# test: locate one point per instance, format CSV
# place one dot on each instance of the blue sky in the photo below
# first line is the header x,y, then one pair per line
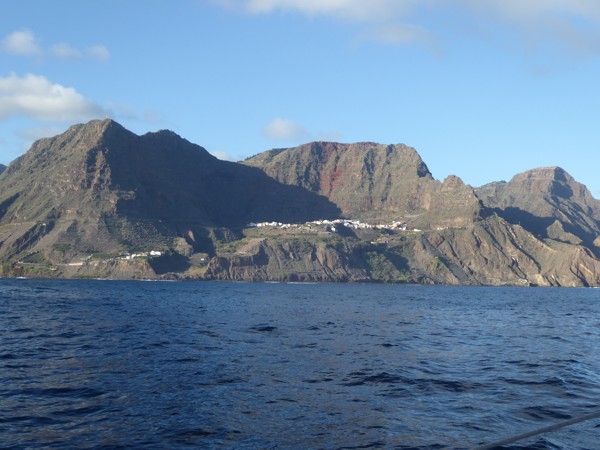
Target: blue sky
x,y
482,89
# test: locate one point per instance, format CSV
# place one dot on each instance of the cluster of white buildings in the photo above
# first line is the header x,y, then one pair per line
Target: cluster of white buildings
x,y
358,225
331,224
129,256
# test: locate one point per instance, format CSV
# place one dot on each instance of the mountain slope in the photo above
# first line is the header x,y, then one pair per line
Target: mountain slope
x,y
373,181
549,203
100,188
489,252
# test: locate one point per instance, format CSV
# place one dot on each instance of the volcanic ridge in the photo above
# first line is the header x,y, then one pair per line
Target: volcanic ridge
x,y
100,201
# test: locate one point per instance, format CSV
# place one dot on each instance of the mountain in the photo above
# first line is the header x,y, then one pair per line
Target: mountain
x,y
541,228
373,181
101,169
549,203
100,201
98,188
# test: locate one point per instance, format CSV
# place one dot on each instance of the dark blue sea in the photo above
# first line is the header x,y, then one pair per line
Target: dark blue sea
x,y
125,364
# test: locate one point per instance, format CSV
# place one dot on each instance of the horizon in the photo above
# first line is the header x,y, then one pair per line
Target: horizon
x,y
483,92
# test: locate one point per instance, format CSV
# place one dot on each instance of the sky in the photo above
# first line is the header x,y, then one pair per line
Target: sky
x,y
481,89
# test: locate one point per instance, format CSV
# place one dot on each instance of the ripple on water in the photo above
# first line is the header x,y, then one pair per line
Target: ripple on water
x,y
221,365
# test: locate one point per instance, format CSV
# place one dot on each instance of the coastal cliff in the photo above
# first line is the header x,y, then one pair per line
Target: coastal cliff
x,y
99,201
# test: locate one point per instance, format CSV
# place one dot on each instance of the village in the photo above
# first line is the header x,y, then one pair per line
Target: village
x,y
130,256
334,225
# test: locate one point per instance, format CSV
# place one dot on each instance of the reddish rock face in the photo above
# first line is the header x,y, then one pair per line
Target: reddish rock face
x,y
373,181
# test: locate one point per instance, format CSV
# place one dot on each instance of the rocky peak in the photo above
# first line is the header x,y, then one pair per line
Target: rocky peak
x,y
165,136
101,127
76,140
550,183
372,181
544,173
453,181
553,181
548,202
68,172
91,133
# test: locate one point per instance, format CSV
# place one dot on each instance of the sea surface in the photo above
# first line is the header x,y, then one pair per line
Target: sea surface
x,y
125,364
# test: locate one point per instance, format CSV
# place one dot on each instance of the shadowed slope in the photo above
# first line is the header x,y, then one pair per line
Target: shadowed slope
x,y
100,187
549,203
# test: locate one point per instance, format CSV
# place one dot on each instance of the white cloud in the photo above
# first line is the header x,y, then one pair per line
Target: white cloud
x,y
371,10
223,156
347,9
63,50
24,43
99,52
388,16
284,130
573,23
535,10
36,97
21,42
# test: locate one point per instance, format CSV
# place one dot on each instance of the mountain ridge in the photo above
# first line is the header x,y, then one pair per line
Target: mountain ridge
x,y
101,201
548,202
102,188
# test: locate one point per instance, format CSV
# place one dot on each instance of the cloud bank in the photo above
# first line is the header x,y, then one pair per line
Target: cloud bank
x,y
36,97
573,23
361,10
347,9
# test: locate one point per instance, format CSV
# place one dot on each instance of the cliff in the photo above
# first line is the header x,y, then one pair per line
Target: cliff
x,y
550,204
100,201
373,181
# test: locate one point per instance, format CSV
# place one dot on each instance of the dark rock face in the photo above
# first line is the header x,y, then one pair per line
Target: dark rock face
x,y
101,168
98,187
549,203
378,182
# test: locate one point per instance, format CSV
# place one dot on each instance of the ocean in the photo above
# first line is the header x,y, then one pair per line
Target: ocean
x,y
88,364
